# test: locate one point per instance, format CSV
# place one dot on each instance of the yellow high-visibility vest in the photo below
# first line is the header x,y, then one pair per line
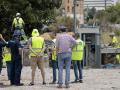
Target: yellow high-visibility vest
x,y
6,55
115,41
78,50
54,50
37,44
18,22
117,54
54,54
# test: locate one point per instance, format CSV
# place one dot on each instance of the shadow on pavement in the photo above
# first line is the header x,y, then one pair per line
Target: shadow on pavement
x,y
4,86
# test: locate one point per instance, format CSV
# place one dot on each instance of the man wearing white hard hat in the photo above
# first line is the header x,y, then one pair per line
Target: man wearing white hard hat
x,y
18,24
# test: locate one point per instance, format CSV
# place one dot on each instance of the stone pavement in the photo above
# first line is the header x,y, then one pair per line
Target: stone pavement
x,y
94,79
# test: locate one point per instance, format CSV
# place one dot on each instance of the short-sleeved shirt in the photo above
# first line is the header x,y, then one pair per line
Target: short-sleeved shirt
x,y
30,41
64,43
14,47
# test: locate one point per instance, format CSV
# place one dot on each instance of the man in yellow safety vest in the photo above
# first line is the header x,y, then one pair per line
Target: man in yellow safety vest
x,y
77,57
18,24
36,46
115,44
7,59
54,61
18,21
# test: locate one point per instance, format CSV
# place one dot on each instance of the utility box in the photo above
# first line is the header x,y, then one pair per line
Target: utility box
x,y
91,36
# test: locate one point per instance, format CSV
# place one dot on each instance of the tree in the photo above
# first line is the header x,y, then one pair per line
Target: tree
x,y
33,12
111,14
90,15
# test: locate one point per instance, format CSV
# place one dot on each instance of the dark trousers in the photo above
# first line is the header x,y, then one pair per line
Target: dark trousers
x,y
54,66
77,68
1,63
16,67
8,64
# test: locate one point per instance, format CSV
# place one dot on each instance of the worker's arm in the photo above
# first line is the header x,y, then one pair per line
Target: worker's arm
x,y
31,49
30,46
23,23
13,24
57,49
1,37
20,51
73,42
57,44
3,54
43,49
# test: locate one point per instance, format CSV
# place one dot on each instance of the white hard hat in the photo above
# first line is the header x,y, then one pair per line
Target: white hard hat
x,y
18,14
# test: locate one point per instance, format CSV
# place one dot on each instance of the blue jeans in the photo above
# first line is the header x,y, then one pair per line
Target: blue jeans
x,y
77,67
54,66
8,64
64,58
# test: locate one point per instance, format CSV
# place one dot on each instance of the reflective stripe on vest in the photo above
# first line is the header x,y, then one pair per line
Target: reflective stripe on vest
x,y
37,44
78,50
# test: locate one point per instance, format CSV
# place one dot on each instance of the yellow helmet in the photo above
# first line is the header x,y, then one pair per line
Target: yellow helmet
x,y
35,33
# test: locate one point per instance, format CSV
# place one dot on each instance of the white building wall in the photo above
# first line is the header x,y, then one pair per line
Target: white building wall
x,y
98,4
118,1
68,6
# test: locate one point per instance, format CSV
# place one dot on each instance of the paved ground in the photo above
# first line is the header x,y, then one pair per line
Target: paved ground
x,y
94,79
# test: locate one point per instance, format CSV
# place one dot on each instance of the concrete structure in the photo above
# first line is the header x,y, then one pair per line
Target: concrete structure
x,y
91,36
117,1
98,4
68,9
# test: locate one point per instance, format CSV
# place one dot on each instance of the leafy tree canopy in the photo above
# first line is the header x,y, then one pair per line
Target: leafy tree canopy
x,y
32,11
111,14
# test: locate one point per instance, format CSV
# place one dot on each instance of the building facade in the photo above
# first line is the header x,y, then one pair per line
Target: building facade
x,y
68,9
98,4
117,1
